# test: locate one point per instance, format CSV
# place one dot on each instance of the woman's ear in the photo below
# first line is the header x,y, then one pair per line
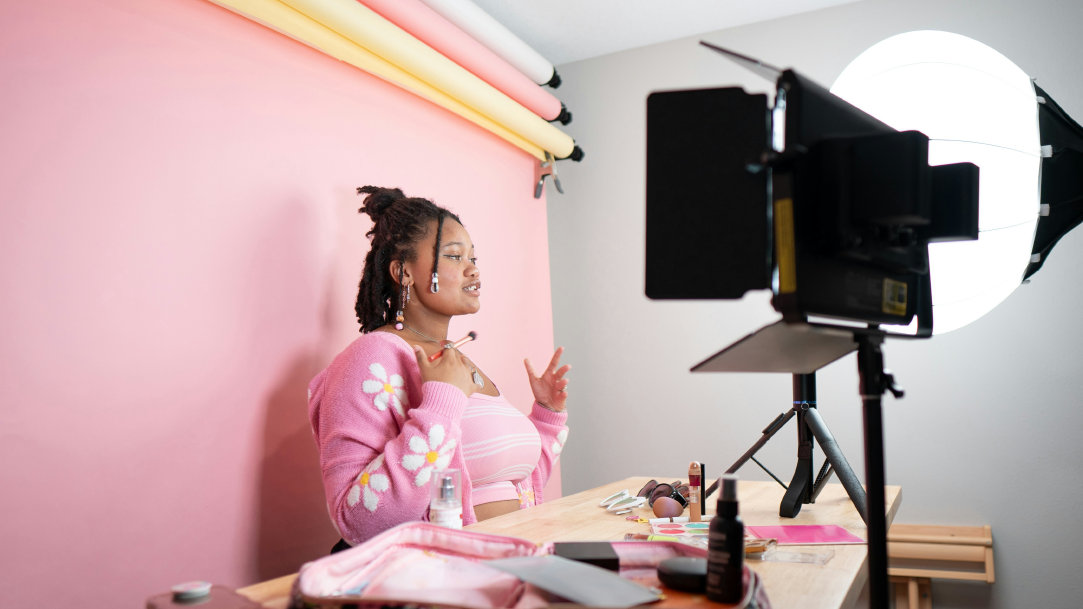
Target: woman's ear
x,y
396,267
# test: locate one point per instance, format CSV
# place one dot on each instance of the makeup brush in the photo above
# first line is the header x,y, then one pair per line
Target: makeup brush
x,y
455,345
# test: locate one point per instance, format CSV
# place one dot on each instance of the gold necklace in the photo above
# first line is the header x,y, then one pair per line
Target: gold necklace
x,y
423,335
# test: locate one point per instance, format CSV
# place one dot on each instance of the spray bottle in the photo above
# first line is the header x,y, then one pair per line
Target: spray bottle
x,y
446,505
726,547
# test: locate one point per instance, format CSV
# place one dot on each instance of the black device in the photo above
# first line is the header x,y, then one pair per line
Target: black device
x,y
597,553
813,198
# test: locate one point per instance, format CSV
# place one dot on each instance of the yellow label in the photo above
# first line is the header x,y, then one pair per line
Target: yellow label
x,y
894,297
784,246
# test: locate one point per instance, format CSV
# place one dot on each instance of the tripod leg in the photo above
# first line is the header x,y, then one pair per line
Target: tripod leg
x,y
838,461
800,490
768,432
825,474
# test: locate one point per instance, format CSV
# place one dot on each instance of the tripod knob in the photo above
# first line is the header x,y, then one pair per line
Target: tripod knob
x,y
890,385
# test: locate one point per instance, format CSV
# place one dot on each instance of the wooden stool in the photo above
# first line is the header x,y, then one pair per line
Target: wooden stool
x,y
918,553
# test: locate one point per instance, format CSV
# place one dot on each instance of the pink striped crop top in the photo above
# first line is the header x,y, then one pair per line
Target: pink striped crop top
x,y
500,447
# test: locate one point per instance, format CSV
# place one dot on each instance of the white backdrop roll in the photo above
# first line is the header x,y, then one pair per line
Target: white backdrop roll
x,y
500,40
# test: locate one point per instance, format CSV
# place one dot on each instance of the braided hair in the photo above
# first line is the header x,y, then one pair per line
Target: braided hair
x,y
398,224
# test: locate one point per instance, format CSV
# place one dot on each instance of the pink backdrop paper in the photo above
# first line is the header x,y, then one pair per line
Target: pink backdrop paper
x,y
431,28
180,252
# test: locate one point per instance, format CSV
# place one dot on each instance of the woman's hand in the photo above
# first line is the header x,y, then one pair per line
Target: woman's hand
x,y
550,388
450,368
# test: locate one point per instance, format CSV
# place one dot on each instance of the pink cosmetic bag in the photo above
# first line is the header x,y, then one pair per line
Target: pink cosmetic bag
x,y
421,564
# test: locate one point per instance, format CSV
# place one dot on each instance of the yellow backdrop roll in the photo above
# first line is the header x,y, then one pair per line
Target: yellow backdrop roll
x,y
286,20
362,25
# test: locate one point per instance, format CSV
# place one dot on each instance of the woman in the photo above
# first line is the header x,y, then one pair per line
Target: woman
x,y
385,417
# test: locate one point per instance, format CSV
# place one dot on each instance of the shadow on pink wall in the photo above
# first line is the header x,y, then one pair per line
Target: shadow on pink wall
x,y
291,512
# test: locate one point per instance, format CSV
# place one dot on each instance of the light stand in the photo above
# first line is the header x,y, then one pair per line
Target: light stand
x,y
874,381
806,347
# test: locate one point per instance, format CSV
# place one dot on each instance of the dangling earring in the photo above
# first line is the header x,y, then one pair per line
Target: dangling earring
x,y
435,287
404,297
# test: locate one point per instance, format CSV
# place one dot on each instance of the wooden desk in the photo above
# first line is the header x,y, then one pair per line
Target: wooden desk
x,y
789,585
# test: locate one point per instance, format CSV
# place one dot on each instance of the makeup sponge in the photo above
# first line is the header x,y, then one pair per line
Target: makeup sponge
x,y
666,507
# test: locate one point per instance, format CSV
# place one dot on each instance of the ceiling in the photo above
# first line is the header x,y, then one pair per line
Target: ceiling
x,y
564,31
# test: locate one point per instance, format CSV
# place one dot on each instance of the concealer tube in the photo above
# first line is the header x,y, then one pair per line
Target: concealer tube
x,y
695,508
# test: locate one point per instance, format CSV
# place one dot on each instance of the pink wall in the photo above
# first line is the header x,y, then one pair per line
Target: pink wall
x,y
179,252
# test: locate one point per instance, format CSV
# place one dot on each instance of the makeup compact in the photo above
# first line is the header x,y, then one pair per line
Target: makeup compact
x,y
675,490
687,573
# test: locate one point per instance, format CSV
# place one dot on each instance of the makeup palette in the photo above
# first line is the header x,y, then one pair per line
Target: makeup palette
x,y
680,529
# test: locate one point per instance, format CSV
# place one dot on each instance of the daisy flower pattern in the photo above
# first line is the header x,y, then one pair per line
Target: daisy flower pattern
x,y
387,390
558,443
429,454
368,484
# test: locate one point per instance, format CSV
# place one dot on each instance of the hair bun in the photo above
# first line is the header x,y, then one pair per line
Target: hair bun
x,y
378,200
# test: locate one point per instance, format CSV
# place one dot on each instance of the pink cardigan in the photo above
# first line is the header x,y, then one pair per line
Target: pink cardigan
x,y
381,433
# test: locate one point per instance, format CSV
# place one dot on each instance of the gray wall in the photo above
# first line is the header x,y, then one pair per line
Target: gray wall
x,y
988,432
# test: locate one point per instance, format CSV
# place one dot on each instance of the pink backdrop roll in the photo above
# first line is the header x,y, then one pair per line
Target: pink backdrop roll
x,y
445,37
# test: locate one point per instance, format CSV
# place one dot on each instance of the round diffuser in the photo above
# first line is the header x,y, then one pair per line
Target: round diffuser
x,y
975,106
